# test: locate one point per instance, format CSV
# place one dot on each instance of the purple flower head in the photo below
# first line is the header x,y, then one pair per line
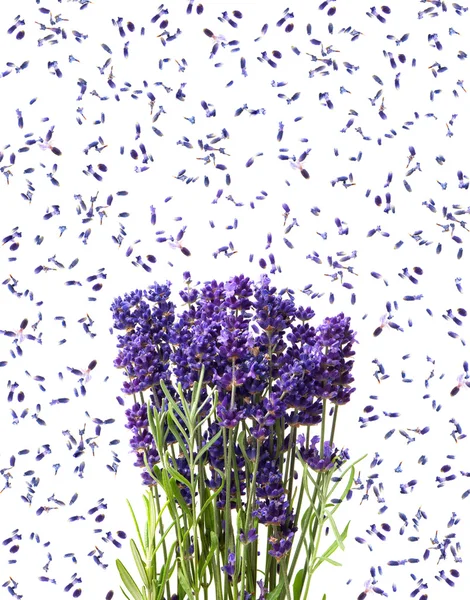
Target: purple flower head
x,y
262,590
229,568
251,536
312,455
229,416
238,290
272,512
335,331
304,314
145,350
311,414
273,313
121,309
142,440
281,546
268,365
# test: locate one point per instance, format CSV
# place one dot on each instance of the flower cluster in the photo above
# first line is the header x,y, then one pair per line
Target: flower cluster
x,y
318,461
266,372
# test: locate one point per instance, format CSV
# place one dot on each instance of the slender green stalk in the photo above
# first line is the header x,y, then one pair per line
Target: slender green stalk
x,y
317,537
181,538
289,478
247,524
228,517
216,559
235,472
285,578
194,510
160,526
333,426
204,523
323,426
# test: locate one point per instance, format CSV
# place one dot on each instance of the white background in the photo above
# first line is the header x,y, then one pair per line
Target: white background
x,y
192,206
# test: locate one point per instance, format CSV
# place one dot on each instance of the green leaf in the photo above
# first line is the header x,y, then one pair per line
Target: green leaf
x,y
205,448
331,549
316,484
241,442
333,562
140,564
210,554
200,423
196,395
160,541
136,525
298,583
165,574
178,430
324,597
350,467
171,402
152,422
209,500
146,530
335,530
177,475
348,485
276,592
184,402
157,471
185,584
182,502
128,581
124,593
149,470
173,405
152,515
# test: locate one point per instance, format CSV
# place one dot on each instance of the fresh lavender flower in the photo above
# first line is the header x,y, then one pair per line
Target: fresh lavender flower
x,y
316,461
232,380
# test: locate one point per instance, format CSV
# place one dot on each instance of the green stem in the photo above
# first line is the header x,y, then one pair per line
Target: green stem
x,y
194,511
285,578
323,427
289,479
248,522
333,426
216,559
318,528
165,552
227,511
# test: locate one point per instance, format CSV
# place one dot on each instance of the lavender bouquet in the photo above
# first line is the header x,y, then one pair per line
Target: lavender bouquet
x,y
239,490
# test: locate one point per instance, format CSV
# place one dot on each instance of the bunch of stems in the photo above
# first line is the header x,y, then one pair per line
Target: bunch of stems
x,y
199,550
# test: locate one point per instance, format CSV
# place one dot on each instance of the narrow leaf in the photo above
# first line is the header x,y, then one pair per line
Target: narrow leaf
x,y
171,402
298,584
331,549
152,422
210,554
185,584
177,475
205,448
177,430
127,597
196,395
140,564
136,525
182,502
128,581
276,592
165,574
335,529
333,562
